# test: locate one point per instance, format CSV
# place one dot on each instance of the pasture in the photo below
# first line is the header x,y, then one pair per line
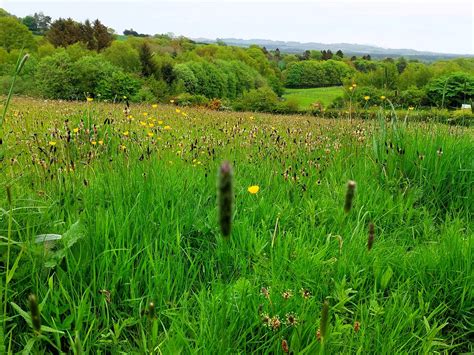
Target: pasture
x,y
306,97
110,219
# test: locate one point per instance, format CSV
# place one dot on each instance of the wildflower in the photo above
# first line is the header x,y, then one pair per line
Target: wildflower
x,y
275,323
284,346
291,320
154,105
305,293
145,114
35,312
90,99
351,185
265,292
125,133
93,142
171,101
151,125
75,130
266,320
253,189
287,294
354,85
351,88
125,97
382,97
366,98
356,326
52,143
225,198
178,110
370,241
318,335
122,147
167,128
143,123
150,134
411,108
160,122
101,142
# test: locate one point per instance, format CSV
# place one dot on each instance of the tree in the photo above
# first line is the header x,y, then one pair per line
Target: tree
x,y
14,35
451,90
37,23
401,64
340,54
123,55
148,67
102,37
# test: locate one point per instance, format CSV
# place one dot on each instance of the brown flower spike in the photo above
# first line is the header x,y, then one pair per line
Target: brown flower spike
x,y
351,185
225,198
370,240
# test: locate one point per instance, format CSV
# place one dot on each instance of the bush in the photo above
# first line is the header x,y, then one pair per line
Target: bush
x,y
451,90
186,99
262,99
54,77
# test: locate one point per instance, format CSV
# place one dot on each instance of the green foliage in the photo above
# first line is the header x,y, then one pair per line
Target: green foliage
x,y
451,90
14,35
311,73
124,56
54,76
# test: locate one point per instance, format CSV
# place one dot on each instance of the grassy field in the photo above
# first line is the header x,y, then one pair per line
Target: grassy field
x,y
110,219
306,97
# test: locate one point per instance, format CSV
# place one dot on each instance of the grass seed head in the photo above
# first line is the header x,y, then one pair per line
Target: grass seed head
x,y
351,185
225,198
35,313
370,240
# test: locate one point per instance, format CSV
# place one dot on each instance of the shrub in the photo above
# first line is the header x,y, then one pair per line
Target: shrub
x,y
186,99
262,99
451,90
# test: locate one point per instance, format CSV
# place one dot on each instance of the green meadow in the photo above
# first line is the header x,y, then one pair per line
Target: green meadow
x,y
346,236
306,97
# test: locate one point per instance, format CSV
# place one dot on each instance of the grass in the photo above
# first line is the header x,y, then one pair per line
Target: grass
x,y
135,206
306,97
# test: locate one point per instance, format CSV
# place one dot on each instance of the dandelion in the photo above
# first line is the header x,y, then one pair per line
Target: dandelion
x,y
154,105
160,122
101,142
225,198
366,98
351,88
52,143
411,108
145,114
123,147
351,185
382,97
171,101
75,130
168,128
253,189
125,133
370,241
151,125
124,97
90,99
150,134
93,142
35,312
354,85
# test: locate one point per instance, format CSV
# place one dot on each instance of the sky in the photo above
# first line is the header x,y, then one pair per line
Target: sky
x,y
428,25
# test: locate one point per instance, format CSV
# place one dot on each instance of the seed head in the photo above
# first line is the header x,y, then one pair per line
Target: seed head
x,y
323,325
284,346
370,240
351,185
35,313
225,198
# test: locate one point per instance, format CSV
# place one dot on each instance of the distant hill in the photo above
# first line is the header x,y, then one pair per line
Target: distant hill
x,y
348,49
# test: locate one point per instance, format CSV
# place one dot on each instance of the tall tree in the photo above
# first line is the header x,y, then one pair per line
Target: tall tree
x,y
14,35
146,60
103,37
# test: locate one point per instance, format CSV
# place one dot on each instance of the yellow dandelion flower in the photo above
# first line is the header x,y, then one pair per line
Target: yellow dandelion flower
x,y
160,122
382,97
150,134
145,113
101,142
75,130
122,147
93,142
52,143
143,123
167,128
351,88
90,99
354,85
178,110
411,108
125,97
125,133
154,105
172,101
151,125
253,189
366,98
